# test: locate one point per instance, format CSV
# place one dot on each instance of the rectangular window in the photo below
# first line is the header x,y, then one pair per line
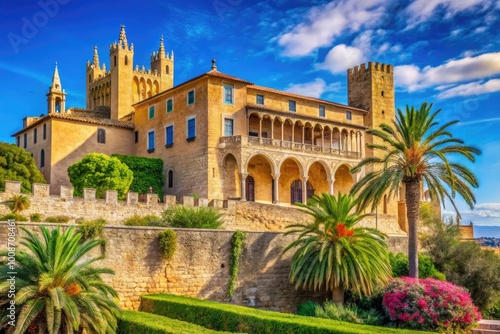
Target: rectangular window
x,y
151,141
260,99
44,131
321,111
18,141
190,97
25,140
35,132
348,115
228,94
101,136
170,105
151,113
191,128
169,136
228,127
136,136
292,106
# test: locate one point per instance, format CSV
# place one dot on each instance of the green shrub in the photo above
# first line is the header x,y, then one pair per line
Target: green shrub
x,y
137,220
148,172
307,309
189,217
57,219
16,217
426,268
134,322
349,313
493,312
91,228
35,217
17,164
168,244
237,241
235,318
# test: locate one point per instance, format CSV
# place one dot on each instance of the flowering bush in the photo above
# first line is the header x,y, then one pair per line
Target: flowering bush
x,y
429,304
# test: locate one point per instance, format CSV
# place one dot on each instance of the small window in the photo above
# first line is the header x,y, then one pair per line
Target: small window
x,y
348,115
126,60
115,61
260,99
90,78
151,141
44,131
228,94
35,135
382,93
170,178
228,127
292,106
169,136
321,111
191,129
18,140
170,105
42,159
151,113
25,140
136,136
190,97
101,136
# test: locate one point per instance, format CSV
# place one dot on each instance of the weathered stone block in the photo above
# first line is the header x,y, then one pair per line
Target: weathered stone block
x,y
187,200
40,190
111,196
216,203
89,194
169,200
151,199
13,187
201,202
67,192
132,198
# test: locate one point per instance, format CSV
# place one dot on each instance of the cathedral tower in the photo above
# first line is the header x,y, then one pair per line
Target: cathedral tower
x,y
121,57
56,97
163,65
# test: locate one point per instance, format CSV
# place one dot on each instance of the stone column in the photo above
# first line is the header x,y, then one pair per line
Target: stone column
x,y
260,129
243,186
323,138
272,128
276,178
293,133
303,134
362,146
304,189
282,130
330,185
340,141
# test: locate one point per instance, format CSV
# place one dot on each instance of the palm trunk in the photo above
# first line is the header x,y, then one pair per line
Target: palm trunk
x,y
412,196
338,295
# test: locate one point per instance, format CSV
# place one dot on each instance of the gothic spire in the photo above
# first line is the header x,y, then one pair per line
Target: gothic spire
x,y
161,50
56,81
122,39
96,57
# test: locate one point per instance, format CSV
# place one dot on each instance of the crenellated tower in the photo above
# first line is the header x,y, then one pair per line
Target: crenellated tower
x,y
56,97
163,64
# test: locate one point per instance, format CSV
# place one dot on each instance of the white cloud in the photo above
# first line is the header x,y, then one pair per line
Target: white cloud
x,y
472,88
479,121
422,10
314,88
324,23
414,78
342,57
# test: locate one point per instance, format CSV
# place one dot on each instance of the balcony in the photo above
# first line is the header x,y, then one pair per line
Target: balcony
x,y
281,145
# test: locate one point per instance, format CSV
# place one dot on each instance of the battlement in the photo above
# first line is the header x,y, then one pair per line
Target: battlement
x,y
379,67
143,71
122,46
158,55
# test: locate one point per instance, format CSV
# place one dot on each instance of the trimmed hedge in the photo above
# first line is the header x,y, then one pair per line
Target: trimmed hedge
x,y
235,318
148,172
134,322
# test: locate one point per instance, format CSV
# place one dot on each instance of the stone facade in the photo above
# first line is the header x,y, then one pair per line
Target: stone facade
x,y
200,267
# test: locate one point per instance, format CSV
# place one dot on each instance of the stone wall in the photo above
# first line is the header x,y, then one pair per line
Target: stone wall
x,y
200,267
250,216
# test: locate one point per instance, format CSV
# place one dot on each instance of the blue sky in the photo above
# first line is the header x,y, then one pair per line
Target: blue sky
x,y
444,51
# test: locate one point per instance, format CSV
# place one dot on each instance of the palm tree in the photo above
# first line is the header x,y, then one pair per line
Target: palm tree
x,y
416,150
18,203
333,254
58,290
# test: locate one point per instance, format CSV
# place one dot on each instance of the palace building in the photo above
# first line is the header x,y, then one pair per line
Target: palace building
x,y
220,136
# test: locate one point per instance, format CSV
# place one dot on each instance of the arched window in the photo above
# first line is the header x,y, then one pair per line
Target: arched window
x,y
170,178
296,191
42,159
385,203
101,136
126,60
167,69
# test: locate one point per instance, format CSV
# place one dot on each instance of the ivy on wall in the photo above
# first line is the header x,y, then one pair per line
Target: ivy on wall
x,y
237,242
148,172
168,244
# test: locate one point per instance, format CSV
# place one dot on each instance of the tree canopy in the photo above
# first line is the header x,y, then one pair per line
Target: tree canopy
x,y
148,172
99,171
16,164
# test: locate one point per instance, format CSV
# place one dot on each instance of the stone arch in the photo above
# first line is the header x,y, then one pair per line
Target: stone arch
x,y
135,90
156,87
261,167
290,170
343,179
143,90
231,180
149,87
254,124
318,174
344,136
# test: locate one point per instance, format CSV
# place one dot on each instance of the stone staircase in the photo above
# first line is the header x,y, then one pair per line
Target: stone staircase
x,y
488,327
